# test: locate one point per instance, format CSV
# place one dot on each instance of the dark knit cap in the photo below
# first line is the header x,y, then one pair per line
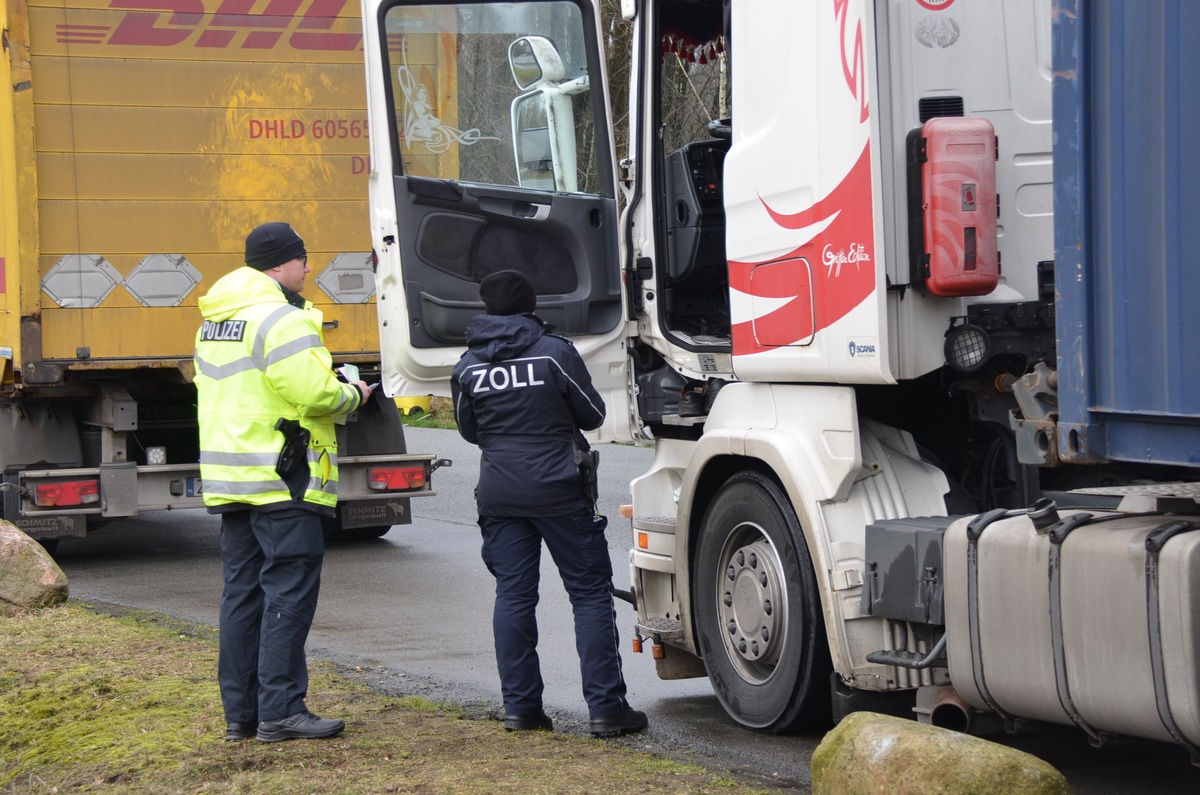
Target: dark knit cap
x,y
273,244
507,293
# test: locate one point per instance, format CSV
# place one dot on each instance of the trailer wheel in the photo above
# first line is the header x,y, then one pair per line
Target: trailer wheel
x,y
335,533
365,533
758,614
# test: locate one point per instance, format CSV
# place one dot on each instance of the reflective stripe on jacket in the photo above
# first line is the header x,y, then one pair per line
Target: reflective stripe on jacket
x,y
258,359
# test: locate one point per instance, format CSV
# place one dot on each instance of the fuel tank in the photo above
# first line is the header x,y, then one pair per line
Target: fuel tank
x,y
1085,618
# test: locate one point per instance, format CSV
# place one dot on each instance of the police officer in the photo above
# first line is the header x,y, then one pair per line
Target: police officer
x,y
523,395
263,377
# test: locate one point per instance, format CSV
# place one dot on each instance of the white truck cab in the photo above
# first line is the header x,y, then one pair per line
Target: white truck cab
x,y
821,278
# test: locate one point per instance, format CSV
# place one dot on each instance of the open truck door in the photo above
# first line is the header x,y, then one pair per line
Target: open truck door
x,y
490,149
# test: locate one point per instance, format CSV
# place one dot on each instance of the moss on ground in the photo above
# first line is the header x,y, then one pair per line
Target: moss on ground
x,y
93,703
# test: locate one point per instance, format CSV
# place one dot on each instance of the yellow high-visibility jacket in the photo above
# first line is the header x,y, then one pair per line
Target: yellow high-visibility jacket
x,y
259,359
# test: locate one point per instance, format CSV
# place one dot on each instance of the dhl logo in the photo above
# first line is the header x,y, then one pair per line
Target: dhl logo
x,y
171,23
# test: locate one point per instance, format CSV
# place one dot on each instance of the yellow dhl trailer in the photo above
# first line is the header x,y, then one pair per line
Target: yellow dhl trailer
x,y
140,140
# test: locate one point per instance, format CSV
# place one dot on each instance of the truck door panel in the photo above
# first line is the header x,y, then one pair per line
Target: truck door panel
x,y
498,164
453,235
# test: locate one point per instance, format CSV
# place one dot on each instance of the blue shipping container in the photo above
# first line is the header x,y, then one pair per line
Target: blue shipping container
x,y
1127,229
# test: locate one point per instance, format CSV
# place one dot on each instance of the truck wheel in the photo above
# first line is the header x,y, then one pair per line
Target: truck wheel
x,y
334,532
365,533
758,615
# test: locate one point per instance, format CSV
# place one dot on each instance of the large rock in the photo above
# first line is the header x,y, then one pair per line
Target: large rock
x,y
871,753
29,577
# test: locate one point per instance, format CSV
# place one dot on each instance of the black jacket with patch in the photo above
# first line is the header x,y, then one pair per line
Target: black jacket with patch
x,y
523,394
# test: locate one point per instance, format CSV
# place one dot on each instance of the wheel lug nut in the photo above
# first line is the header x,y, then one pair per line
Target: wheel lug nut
x,y
740,558
767,607
762,579
731,573
742,647
753,561
732,627
728,600
766,634
754,649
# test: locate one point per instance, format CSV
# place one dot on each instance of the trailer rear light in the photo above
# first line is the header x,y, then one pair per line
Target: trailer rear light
x,y
405,478
66,493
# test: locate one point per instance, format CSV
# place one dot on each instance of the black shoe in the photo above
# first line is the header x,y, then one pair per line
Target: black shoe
x,y
527,723
627,722
239,731
691,404
710,393
301,726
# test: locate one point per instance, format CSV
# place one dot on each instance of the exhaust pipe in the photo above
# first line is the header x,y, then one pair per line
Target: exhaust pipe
x,y
949,711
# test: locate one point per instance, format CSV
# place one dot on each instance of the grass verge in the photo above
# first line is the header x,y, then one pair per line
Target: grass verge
x,y
440,415
92,702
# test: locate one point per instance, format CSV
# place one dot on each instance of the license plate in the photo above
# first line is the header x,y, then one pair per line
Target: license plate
x,y
195,487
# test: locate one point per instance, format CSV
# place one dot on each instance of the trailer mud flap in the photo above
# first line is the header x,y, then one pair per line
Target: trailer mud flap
x,y
374,513
41,526
46,527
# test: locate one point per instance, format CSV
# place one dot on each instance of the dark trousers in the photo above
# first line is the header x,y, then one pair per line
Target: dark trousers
x,y
271,563
512,552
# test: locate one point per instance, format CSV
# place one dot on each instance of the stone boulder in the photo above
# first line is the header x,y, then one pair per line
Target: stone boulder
x,y
29,577
872,753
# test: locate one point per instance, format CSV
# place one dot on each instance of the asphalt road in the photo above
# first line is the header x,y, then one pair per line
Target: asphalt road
x,y
412,612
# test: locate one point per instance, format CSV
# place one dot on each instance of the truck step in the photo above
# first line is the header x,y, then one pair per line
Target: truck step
x,y
655,524
661,628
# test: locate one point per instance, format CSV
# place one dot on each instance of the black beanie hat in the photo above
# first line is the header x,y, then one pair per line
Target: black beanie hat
x,y
507,293
273,244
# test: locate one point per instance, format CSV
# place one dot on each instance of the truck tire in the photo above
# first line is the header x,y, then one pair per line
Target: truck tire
x,y
366,533
335,533
758,615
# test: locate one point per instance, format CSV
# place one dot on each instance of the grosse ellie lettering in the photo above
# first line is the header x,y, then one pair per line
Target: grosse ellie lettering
x,y
225,331
505,376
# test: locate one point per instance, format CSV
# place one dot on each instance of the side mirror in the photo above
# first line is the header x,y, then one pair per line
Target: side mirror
x,y
533,141
534,61
543,118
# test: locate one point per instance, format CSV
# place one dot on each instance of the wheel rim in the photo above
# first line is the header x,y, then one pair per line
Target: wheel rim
x,y
752,603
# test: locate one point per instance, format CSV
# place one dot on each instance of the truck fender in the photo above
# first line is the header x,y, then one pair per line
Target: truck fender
x,y
839,474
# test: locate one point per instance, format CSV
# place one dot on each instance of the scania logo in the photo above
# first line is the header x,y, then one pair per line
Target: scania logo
x,y
168,23
858,349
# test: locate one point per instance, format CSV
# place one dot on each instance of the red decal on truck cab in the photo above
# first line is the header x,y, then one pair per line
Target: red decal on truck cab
x,y
839,274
